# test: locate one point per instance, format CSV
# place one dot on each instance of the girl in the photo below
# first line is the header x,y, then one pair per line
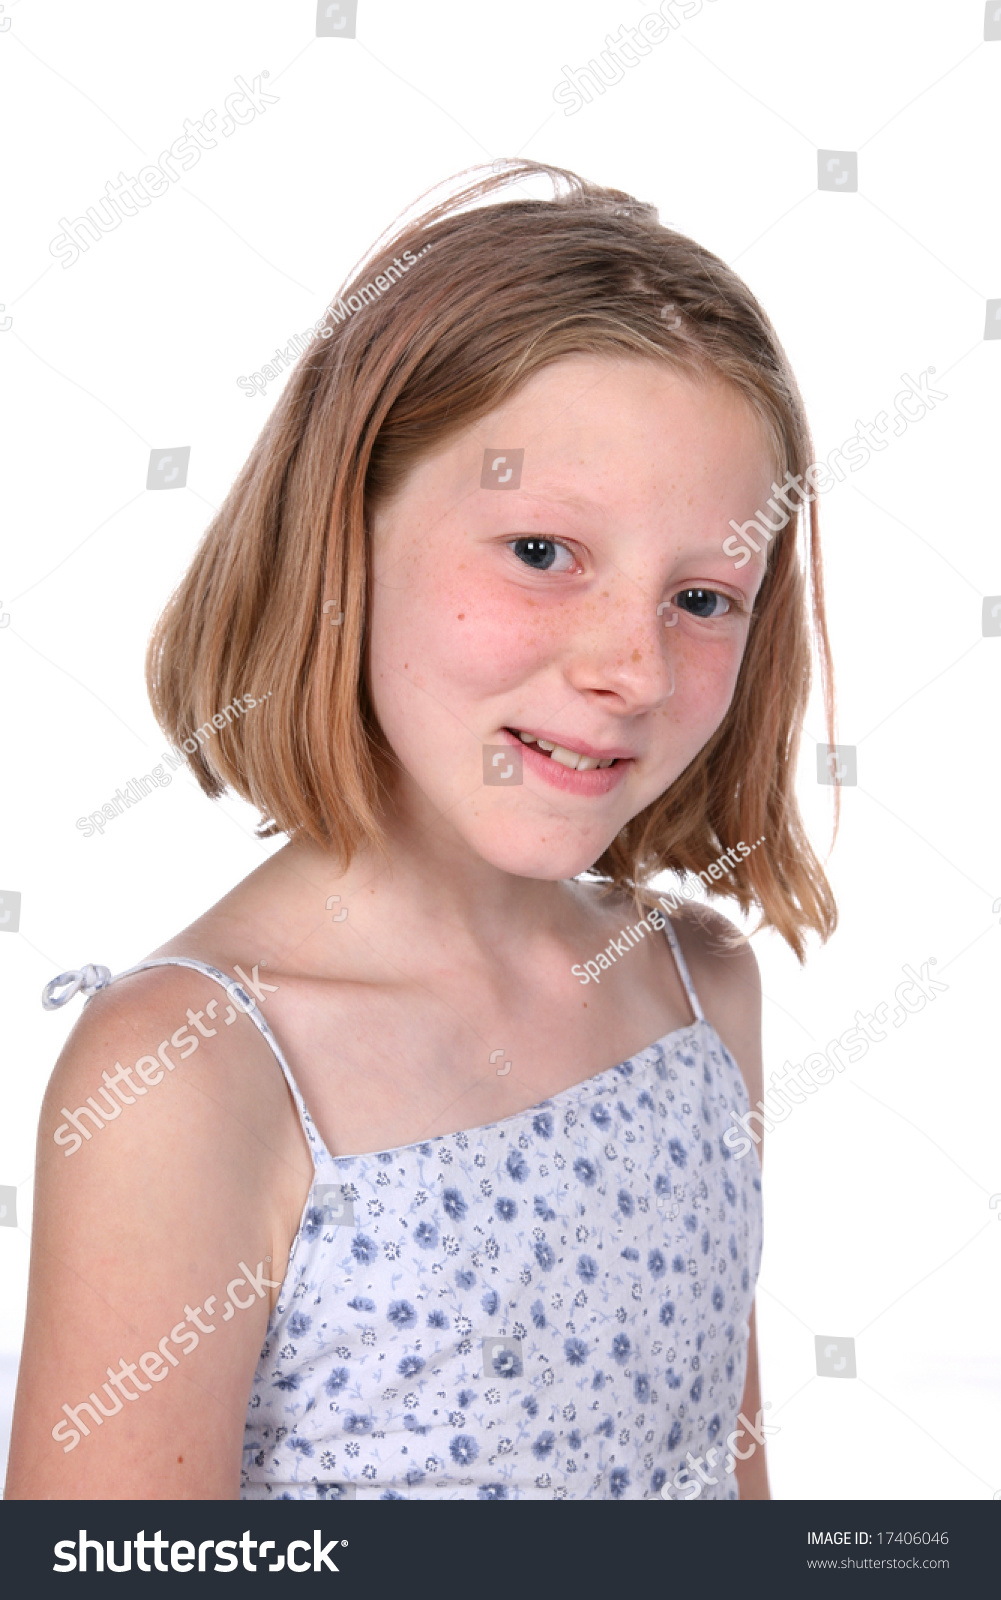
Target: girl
x,y
407,1193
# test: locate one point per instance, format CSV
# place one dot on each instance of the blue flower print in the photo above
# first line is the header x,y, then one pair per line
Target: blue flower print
x,y
354,1422
505,1360
565,1292
312,1224
401,1314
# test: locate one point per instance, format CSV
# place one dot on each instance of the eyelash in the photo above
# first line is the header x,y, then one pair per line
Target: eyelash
x,y
734,605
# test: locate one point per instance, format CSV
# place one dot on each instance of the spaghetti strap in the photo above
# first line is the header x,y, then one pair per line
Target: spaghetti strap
x,y
683,973
92,979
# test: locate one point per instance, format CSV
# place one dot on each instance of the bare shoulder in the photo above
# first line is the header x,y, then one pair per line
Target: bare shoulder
x,y
132,1042
724,971
165,1178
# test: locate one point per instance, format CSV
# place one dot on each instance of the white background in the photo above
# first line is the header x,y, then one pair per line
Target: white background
x,y
878,1223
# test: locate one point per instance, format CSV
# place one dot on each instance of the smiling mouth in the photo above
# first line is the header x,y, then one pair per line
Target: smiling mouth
x,y
564,757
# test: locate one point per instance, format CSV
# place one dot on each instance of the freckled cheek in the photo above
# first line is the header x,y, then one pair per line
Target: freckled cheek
x,y
478,642
704,684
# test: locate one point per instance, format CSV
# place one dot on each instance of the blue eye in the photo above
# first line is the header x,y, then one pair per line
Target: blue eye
x,y
541,554
702,602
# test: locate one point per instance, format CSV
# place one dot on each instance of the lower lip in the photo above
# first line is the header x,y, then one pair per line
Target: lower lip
x,y
596,781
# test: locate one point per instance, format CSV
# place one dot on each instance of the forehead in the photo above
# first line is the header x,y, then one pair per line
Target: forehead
x,y
590,426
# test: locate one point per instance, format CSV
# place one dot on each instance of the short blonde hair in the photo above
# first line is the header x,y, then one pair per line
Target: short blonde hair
x,y
507,287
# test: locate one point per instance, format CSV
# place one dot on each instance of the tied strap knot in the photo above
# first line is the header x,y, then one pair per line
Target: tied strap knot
x,y
90,979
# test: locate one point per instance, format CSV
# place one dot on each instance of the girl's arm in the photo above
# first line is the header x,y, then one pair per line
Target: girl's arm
x,y
156,1245
728,984
752,1474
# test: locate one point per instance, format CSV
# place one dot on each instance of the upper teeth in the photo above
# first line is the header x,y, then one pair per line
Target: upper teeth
x,y
565,757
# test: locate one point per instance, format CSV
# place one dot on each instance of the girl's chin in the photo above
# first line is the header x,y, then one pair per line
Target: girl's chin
x,y
541,850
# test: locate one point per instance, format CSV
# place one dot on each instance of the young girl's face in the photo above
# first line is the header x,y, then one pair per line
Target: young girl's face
x,y
536,605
